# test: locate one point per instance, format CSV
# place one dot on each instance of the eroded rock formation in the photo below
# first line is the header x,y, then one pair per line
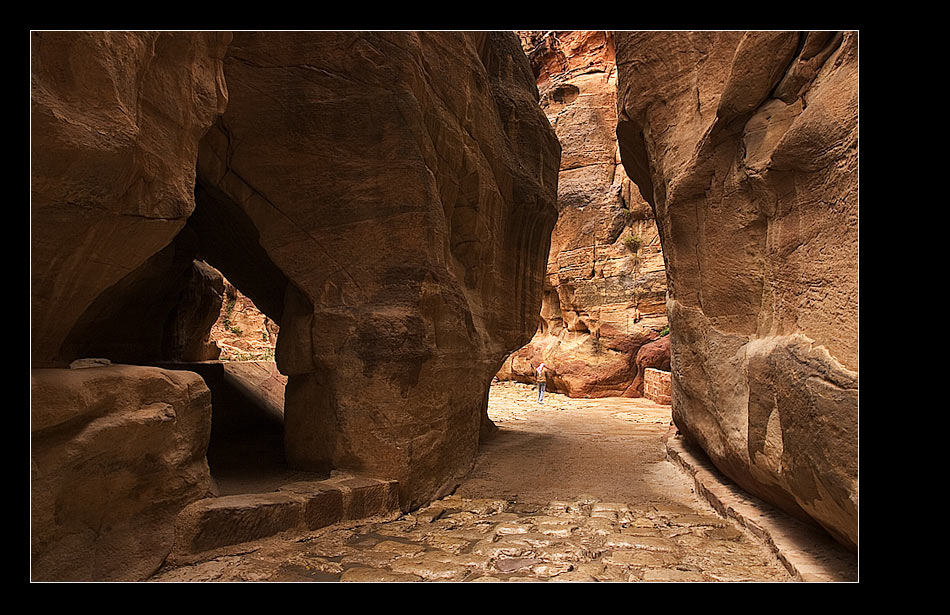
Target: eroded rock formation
x,y
395,192
604,293
745,145
115,123
116,453
385,198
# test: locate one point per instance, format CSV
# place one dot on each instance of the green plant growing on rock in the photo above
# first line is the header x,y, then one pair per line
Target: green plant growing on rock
x,y
665,331
633,243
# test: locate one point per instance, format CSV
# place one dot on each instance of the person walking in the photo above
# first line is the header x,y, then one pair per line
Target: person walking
x,y
542,381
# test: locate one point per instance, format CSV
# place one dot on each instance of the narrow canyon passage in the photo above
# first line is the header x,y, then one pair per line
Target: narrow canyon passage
x,y
287,316
568,490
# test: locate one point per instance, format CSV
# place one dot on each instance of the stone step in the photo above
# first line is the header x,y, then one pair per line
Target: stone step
x,y
213,523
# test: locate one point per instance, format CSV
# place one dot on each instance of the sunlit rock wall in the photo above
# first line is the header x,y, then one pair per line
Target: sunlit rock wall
x,y
605,289
745,144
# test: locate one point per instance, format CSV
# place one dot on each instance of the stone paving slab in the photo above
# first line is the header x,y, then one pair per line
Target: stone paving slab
x,y
420,547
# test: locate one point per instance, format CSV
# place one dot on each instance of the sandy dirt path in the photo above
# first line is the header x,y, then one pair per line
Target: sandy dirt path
x,y
610,449
574,490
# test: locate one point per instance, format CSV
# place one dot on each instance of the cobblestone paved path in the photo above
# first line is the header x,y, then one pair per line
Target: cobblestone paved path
x,y
569,490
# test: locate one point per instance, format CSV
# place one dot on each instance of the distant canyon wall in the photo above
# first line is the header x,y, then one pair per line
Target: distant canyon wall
x,y
745,145
605,289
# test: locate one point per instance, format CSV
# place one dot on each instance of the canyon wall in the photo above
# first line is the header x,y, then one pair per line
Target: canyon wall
x,y
386,199
116,451
745,145
397,193
605,288
115,122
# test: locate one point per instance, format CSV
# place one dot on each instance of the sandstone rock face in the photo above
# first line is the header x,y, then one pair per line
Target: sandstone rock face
x,y
117,452
654,355
161,311
116,119
187,333
605,289
242,332
387,199
745,144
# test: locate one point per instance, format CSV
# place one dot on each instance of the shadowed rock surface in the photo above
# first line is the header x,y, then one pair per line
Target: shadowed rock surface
x,y
115,123
117,452
745,144
385,198
396,192
604,297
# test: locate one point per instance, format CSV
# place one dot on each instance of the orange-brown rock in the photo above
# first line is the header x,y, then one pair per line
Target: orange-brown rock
x,y
604,294
745,144
115,123
117,451
656,354
241,331
387,198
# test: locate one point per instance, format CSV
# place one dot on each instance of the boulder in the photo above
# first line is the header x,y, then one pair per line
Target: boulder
x,y
745,145
117,452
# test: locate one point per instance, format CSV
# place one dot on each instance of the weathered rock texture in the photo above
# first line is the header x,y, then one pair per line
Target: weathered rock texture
x,y
603,298
745,144
116,453
387,199
242,332
115,123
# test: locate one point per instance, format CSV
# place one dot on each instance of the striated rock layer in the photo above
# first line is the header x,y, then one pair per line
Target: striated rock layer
x,y
605,288
387,199
745,145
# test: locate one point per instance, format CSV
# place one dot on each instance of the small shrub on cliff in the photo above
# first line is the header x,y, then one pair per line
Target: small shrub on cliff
x,y
633,243
665,331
